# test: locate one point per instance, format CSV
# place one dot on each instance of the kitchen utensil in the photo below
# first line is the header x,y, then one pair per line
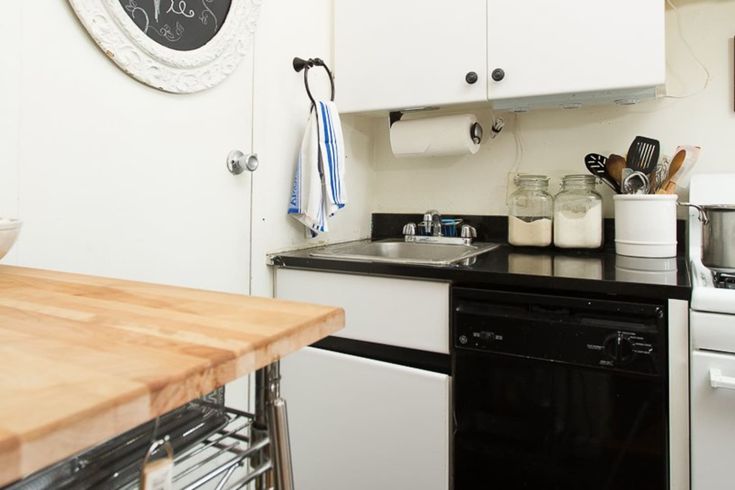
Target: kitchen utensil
x,y
643,154
636,182
596,164
692,156
669,185
660,174
718,230
615,165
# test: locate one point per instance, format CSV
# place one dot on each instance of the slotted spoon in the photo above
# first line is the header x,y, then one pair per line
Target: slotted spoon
x,y
597,165
643,155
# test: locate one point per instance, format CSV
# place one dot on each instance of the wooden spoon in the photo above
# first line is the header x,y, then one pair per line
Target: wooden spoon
x,y
669,186
615,166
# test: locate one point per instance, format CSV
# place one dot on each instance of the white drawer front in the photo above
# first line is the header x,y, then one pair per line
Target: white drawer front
x,y
713,421
359,424
400,312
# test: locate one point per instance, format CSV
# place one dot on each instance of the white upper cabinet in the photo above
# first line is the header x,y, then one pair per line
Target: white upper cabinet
x,y
553,53
398,54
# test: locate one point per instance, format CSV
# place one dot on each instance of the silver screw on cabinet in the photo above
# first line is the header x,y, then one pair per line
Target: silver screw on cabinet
x,y
238,162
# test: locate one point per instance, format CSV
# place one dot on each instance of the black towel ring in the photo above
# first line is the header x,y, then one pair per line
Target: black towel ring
x,y
302,64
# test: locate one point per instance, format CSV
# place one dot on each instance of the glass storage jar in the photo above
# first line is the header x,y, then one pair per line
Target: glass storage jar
x,y
578,213
530,212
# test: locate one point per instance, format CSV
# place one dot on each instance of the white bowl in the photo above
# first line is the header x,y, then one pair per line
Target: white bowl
x,y
9,229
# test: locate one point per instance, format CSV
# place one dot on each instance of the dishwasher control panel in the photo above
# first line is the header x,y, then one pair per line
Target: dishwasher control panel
x,y
598,334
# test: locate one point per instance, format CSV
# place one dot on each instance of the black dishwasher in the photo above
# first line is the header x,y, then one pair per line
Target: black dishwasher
x,y
558,393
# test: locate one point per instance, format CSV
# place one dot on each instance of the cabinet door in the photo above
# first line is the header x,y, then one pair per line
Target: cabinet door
x,y
360,424
549,48
409,53
400,312
713,423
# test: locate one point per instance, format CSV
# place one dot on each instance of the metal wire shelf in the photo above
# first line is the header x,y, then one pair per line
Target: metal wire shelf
x,y
215,446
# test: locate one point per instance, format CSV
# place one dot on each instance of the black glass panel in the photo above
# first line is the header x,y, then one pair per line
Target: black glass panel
x,y
532,424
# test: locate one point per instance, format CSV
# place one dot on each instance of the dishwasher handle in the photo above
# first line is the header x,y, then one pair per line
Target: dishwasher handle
x,y
718,380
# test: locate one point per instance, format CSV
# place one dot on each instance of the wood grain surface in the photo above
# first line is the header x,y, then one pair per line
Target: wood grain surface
x,y
84,358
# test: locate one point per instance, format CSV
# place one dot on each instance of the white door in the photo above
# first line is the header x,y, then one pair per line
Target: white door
x,y
395,55
547,48
360,424
117,178
713,420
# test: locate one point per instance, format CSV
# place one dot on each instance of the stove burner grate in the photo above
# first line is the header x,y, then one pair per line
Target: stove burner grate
x,y
724,280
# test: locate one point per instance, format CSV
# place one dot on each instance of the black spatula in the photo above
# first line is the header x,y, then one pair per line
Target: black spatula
x,y
596,164
643,154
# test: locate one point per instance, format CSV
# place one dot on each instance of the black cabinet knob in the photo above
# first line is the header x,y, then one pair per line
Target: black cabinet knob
x,y
471,77
498,74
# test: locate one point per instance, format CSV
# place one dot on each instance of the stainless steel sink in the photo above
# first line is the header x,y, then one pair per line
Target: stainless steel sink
x,y
403,252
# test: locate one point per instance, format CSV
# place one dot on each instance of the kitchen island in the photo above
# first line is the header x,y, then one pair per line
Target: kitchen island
x,y
84,359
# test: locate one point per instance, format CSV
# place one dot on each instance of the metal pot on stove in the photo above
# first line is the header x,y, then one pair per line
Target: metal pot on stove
x,y
718,234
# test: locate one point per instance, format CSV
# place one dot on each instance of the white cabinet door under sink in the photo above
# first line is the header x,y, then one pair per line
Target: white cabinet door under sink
x,y
400,312
713,421
548,48
360,424
399,54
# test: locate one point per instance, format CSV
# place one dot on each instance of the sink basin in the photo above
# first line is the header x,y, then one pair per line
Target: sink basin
x,y
403,252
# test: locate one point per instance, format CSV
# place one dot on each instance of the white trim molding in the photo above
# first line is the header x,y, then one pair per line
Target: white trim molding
x,y
159,66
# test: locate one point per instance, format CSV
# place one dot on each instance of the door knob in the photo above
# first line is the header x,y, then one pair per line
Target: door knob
x,y
498,74
238,162
471,77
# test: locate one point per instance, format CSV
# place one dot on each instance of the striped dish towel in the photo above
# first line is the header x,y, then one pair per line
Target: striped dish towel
x,y
318,189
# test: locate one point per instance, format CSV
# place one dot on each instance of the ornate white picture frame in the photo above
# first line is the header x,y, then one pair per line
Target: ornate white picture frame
x,y
113,29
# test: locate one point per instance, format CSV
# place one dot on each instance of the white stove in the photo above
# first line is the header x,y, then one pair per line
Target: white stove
x,y
712,328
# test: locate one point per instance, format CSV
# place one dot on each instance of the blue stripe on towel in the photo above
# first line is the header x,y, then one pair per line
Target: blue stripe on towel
x,y
327,137
336,177
294,204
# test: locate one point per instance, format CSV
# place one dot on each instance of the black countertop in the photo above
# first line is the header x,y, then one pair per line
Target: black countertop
x,y
595,272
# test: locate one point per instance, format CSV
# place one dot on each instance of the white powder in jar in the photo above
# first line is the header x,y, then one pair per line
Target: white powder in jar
x,y
578,228
533,233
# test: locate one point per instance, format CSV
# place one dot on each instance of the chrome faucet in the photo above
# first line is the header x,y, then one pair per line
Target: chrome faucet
x,y
430,231
432,223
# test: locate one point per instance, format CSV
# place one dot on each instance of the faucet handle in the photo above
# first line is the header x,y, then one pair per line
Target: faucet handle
x,y
432,215
409,229
468,232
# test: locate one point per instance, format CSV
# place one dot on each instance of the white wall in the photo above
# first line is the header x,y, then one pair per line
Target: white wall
x,y
9,111
554,142
287,29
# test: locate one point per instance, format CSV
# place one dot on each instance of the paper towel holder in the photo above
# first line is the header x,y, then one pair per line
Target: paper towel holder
x,y
476,131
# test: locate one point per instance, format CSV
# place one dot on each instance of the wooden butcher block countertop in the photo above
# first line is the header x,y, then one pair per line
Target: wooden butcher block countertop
x,y
83,358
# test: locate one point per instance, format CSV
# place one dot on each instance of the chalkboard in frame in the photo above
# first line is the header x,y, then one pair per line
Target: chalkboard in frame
x,y
179,46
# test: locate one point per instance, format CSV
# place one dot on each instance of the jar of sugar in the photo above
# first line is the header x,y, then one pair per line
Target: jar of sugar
x,y
530,213
578,213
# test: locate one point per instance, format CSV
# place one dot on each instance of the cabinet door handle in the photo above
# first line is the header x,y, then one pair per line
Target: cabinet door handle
x,y
238,162
498,74
471,77
717,380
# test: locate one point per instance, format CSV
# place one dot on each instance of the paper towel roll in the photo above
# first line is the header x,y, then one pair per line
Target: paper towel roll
x,y
434,136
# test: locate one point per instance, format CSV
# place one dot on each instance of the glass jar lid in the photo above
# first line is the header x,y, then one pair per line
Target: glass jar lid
x,y
586,179
579,181
530,181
